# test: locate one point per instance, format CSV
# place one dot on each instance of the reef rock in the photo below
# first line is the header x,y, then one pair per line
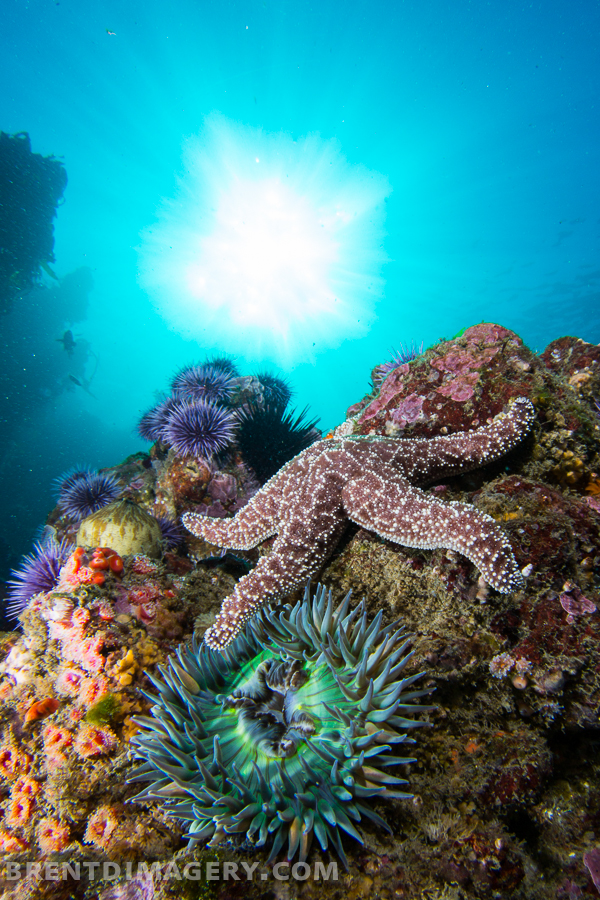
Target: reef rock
x,y
506,785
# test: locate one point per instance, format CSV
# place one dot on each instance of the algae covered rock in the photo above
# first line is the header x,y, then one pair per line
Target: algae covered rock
x,y
124,527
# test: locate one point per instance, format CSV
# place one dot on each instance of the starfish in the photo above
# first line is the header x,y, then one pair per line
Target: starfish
x,y
375,483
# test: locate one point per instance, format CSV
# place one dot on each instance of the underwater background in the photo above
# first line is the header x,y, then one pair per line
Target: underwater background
x,y
287,292
448,151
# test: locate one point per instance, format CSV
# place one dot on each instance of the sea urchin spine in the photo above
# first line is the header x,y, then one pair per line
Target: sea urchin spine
x,y
38,573
203,382
198,429
86,493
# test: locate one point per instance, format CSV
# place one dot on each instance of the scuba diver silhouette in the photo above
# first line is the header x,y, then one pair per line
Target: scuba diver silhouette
x,y
84,383
68,342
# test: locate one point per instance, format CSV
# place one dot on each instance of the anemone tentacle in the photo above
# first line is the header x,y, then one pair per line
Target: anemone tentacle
x,y
288,733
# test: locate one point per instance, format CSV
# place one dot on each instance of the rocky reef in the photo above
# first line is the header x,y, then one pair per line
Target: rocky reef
x,y
505,783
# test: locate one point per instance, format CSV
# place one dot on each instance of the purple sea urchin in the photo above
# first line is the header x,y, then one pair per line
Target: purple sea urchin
x,y
199,429
86,493
223,364
204,382
171,530
399,358
152,424
285,735
38,572
64,481
275,389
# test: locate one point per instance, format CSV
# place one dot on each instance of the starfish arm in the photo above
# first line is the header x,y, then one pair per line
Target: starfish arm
x,y
408,516
429,459
252,525
260,518
292,561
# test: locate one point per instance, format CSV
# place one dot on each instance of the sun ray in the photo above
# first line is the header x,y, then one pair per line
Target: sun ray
x,y
270,246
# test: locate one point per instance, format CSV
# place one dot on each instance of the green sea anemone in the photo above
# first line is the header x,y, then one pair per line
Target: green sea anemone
x,y
287,733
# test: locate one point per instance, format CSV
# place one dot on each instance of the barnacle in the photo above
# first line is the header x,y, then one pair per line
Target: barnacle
x,y
124,527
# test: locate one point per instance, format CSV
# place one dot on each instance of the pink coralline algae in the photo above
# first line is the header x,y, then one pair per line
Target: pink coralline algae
x,y
575,604
460,388
409,411
392,385
594,502
222,497
461,367
485,361
223,488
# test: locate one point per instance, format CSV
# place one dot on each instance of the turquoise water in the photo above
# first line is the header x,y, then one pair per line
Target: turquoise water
x,y
447,151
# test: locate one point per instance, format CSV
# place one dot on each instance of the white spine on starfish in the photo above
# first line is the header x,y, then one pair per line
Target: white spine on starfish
x,y
372,482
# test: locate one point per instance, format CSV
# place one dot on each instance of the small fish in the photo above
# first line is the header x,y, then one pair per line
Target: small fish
x,y
68,342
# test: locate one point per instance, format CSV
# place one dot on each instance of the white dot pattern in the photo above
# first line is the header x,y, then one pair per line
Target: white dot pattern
x,y
373,482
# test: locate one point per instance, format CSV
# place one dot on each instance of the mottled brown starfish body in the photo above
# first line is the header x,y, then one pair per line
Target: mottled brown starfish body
x,y
373,482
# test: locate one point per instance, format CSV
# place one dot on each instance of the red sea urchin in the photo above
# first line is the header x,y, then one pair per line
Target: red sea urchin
x,y
270,435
